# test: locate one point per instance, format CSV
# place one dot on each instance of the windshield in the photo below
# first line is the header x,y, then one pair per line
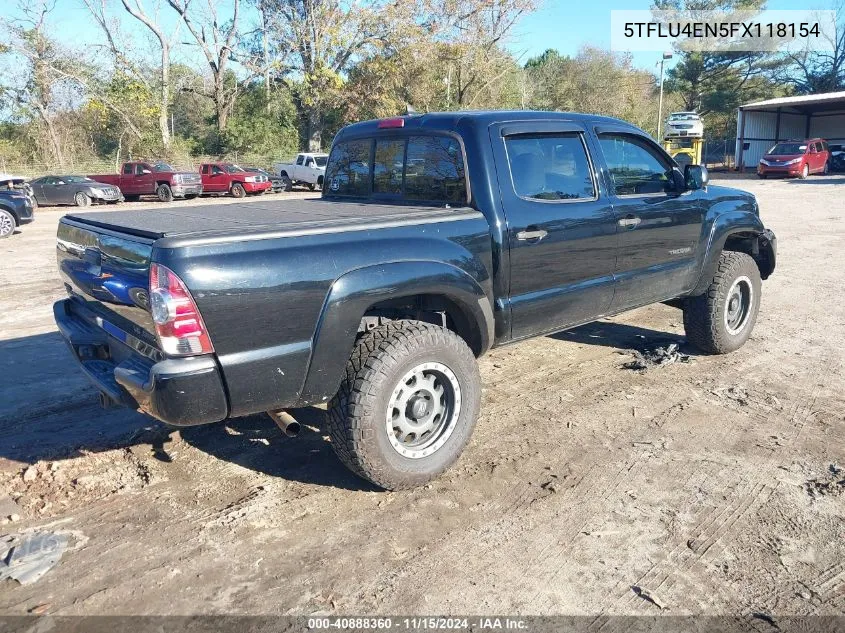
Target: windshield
x,y
783,149
321,160
75,179
163,167
233,169
683,116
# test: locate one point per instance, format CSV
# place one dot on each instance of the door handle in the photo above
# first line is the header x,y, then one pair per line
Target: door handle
x,y
536,234
629,221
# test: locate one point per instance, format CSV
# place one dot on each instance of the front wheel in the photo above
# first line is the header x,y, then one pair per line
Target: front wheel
x,y
7,223
164,193
720,320
81,199
238,190
407,404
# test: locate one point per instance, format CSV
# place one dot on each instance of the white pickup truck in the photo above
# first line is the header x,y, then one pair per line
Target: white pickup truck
x,y
308,169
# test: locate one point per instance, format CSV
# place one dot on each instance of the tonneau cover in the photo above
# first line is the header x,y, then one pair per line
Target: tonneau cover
x,y
258,217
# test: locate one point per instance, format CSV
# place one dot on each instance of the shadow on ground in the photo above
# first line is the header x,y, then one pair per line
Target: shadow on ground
x,y
50,412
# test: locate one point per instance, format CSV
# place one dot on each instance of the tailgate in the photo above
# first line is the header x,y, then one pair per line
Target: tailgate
x,y
109,273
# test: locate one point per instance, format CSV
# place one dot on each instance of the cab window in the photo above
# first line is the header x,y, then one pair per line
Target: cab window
x,y
416,168
550,167
636,167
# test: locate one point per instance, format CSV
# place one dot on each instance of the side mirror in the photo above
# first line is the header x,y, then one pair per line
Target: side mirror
x,y
695,177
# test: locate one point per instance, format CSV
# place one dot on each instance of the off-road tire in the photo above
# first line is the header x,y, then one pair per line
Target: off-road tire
x,y
238,190
705,315
82,199
164,193
356,416
7,224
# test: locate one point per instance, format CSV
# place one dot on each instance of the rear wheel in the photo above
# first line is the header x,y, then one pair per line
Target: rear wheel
x,y
164,193
81,199
826,168
721,320
238,190
7,223
407,404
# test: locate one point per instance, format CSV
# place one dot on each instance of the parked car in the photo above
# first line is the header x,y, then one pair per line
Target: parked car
x,y
229,178
15,209
137,178
78,190
308,169
684,124
837,157
378,298
277,183
795,158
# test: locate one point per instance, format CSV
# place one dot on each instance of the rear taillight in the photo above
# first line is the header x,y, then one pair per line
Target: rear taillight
x,y
178,323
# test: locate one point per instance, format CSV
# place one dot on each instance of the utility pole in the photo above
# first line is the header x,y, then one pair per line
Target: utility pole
x,y
660,101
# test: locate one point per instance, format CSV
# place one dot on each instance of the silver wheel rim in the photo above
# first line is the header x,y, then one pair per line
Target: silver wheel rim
x,y
81,200
738,304
7,225
423,410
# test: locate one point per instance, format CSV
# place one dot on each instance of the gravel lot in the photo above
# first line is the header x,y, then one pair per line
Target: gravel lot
x,y
714,485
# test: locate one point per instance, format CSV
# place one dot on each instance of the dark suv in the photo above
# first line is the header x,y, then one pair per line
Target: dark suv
x,y
15,209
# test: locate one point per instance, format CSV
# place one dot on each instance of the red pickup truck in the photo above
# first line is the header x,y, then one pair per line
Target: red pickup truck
x,y
138,179
229,178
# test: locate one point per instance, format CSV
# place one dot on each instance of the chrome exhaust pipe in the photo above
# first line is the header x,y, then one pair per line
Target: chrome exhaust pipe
x,y
105,401
286,422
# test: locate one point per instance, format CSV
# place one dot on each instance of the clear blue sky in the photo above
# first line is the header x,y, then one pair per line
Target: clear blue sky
x,y
565,25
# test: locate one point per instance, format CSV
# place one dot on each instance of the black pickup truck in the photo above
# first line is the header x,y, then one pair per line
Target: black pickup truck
x,y
438,236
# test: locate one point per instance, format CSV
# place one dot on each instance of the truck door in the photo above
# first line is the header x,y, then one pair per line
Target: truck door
x,y
561,227
144,178
659,226
126,180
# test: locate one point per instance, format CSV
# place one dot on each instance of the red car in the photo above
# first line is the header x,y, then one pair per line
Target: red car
x,y
796,158
229,178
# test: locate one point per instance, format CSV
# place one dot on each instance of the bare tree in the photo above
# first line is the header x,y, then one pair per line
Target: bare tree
x,y
318,40
217,42
36,88
165,40
818,71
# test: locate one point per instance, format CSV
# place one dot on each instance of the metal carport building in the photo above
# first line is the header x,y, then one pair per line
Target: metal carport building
x,y
761,124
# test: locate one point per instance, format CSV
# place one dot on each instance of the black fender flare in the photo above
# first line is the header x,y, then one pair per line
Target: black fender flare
x,y
353,293
737,224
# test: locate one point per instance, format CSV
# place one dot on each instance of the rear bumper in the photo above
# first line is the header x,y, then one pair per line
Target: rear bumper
x,y
179,391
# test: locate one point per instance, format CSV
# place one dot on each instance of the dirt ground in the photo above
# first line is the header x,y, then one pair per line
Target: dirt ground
x,y
715,485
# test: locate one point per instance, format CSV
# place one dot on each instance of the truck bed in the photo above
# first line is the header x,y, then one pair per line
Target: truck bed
x,y
258,217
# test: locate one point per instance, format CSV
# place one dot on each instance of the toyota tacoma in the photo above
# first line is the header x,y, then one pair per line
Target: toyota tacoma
x,y
437,237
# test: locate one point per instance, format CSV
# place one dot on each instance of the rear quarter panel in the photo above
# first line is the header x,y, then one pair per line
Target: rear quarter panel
x,y
262,299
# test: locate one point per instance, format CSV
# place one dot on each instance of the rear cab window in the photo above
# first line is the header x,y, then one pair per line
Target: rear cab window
x,y
415,168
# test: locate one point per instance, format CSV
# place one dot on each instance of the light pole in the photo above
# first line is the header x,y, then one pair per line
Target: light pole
x,y
660,101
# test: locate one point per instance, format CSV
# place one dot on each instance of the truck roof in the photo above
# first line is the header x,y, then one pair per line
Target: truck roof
x,y
477,120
